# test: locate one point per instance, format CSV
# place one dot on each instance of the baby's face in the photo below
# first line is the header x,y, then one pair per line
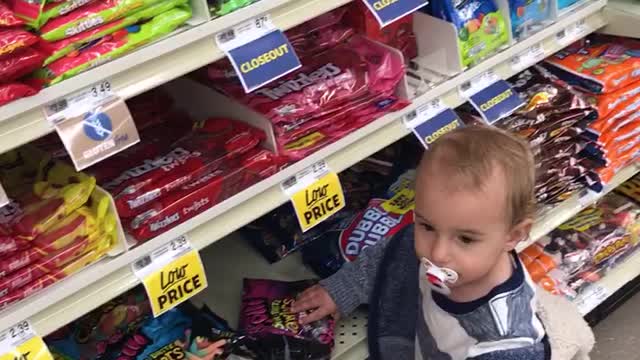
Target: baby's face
x,y
464,230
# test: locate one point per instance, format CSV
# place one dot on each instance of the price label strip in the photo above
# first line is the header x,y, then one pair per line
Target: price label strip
x,y
93,124
528,58
315,193
432,120
20,342
572,33
388,11
171,275
491,96
259,52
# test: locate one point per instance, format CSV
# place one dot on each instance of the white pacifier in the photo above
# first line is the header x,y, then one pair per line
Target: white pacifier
x,y
438,277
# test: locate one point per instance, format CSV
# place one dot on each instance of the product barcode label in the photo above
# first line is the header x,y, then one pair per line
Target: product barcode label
x,y
78,102
528,57
20,342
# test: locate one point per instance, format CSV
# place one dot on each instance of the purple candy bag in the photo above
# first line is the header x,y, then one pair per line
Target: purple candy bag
x,y
266,310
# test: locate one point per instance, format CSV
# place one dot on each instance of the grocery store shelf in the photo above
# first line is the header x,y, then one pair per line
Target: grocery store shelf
x,y
22,121
77,295
613,281
623,17
570,207
224,293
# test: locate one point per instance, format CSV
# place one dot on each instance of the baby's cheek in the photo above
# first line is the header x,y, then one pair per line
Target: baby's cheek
x,y
422,246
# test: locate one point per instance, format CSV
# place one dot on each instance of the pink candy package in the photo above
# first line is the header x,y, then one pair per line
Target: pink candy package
x,y
328,80
266,310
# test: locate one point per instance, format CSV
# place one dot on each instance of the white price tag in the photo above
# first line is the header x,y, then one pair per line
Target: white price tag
x,y
528,58
78,102
15,335
590,298
305,177
424,113
4,199
20,342
244,33
478,83
162,256
572,33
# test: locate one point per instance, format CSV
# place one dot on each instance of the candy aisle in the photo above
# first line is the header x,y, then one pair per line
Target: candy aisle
x,y
176,144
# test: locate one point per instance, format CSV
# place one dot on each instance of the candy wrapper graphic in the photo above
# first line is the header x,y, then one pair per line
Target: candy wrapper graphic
x,y
584,248
599,64
266,312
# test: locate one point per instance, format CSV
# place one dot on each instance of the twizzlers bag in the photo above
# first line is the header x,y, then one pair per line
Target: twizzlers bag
x,y
229,178
205,149
325,82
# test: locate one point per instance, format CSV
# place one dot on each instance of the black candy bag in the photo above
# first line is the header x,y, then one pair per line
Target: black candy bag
x,y
277,333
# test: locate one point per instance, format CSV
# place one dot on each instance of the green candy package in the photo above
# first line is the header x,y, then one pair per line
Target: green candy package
x,y
64,47
56,9
90,16
480,25
112,46
223,7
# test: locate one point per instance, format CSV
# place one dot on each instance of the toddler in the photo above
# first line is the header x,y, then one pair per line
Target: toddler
x,y
451,286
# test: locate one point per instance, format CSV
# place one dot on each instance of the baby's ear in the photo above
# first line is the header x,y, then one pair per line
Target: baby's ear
x,y
518,233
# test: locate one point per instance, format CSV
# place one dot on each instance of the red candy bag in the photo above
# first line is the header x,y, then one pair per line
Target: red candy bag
x,y
14,39
7,17
337,76
207,147
19,64
14,91
19,259
231,177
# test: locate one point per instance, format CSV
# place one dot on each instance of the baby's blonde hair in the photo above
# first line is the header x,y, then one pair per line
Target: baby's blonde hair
x,y
470,154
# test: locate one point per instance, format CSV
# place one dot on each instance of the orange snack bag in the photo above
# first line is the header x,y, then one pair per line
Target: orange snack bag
x,y
601,64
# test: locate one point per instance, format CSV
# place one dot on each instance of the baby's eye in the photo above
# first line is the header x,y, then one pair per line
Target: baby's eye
x,y
466,239
427,227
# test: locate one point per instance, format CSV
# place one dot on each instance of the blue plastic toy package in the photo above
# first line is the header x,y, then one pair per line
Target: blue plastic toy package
x,y
480,26
529,16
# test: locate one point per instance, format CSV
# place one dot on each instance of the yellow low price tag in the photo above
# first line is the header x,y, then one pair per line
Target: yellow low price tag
x,y
318,201
20,342
171,275
401,203
32,349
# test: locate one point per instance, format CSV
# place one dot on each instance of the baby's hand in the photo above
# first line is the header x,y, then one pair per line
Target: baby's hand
x,y
316,300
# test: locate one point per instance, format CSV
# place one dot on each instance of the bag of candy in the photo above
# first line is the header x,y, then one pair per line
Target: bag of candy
x,y
61,48
210,145
114,45
480,26
600,64
266,314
